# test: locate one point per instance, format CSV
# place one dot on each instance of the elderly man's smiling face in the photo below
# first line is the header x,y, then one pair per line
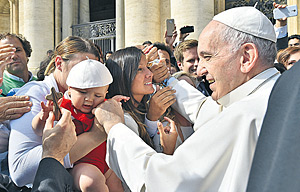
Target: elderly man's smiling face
x,y
217,62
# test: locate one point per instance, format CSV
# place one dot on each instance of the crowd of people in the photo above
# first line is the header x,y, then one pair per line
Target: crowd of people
x,y
199,115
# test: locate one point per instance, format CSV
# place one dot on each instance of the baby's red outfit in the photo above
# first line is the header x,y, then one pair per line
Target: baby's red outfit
x,y
83,123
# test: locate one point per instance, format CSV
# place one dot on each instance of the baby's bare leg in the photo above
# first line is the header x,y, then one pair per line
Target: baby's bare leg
x,y
113,182
88,178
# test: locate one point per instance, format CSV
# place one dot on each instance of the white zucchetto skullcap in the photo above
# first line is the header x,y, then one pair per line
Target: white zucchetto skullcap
x,y
248,20
89,74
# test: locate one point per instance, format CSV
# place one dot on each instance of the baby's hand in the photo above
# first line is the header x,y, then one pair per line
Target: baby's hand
x,y
46,108
120,98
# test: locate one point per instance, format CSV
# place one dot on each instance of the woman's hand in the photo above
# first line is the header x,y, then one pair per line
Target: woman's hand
x,y
159,103
280,22
169,40
151,53
168,136
160,71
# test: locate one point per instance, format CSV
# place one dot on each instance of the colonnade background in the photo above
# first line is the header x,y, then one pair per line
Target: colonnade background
x,y
46,22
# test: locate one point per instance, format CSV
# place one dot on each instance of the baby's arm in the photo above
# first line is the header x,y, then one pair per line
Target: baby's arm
x,y
38,122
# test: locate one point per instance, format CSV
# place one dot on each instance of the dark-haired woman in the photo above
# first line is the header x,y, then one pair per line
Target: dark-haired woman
x,y
132,78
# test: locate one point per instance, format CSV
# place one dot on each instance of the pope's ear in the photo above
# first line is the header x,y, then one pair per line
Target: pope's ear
x,y
249,56
58,62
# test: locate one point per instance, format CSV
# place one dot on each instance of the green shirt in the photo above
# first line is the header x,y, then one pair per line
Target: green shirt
x,y
11,81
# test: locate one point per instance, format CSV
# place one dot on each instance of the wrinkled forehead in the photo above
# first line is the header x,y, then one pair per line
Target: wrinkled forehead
x,y
210,36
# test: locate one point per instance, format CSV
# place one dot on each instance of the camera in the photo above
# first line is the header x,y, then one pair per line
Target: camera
x,y
187,29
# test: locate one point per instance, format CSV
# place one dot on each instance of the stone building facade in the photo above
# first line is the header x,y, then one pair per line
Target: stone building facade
x,y
113,24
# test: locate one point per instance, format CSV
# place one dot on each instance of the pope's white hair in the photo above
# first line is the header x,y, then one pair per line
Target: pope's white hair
x,y
266,48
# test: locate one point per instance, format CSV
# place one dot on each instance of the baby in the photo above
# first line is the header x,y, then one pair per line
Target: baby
x,y
88,83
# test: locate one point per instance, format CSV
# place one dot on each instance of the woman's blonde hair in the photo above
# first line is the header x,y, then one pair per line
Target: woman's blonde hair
x,y
70,46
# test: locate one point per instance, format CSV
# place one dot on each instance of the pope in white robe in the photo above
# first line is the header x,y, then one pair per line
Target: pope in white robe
x,y
218,156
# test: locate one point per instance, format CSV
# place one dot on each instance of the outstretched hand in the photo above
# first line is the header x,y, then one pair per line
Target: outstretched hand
x,y
182,36
6,52
168,136
159,103
151,53
46,108
169,40
58,140
160,71
108,114
280,22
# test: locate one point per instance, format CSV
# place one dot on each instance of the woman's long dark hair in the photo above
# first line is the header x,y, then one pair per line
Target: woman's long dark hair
x,y
123,66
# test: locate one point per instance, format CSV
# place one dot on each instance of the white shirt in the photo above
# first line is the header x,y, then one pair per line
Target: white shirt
x,y
281,31
25,147
217,157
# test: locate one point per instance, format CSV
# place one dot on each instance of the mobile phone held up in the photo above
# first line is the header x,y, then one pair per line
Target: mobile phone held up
x,y
187,29
289,11
170,26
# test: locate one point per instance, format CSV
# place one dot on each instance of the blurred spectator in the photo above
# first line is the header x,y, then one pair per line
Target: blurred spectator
x,y
164,52
294,40
147,43
283,41
187,60
187,57
173,69
43,65
50,53
108,54
100,53
289,56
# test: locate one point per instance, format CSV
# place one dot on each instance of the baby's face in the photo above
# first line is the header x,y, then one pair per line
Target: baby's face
x,y
87,99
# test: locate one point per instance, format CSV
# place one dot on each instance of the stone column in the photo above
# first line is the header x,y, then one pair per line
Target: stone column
x,y
58,26
165,13
67,17
38,29
142,21
84,15
14,16
294,22
5,17
219,6
21,16
4,22
192,12
120,24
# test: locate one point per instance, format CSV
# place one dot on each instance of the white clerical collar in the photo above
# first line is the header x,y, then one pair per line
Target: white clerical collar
x,y
248,88
11,76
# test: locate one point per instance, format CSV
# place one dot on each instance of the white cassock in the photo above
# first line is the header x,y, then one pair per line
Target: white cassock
x,y
217,157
